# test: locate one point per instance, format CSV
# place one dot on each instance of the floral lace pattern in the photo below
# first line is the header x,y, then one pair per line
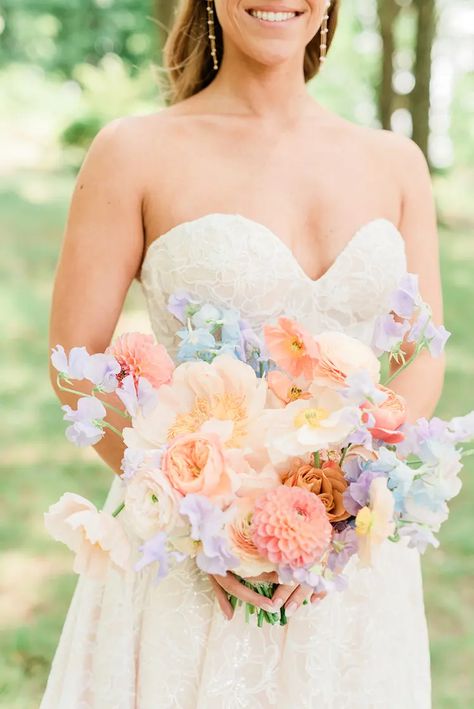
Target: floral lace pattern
x,y
133,644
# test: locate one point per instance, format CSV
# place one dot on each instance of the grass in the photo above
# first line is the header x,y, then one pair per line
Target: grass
x,y
38,464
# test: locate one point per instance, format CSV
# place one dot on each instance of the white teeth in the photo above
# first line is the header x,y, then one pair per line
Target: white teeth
x,y
272,16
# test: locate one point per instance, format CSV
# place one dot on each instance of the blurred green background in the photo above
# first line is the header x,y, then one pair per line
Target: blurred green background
x,y
66,68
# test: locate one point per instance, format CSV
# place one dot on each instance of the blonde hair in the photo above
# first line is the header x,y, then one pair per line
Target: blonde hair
x,y
187,56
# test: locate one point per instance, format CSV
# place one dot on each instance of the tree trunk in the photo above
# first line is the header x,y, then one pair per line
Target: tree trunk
x,y
420,96
387,11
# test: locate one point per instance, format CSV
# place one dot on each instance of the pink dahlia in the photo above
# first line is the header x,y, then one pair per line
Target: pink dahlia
x,y
140,356
290,526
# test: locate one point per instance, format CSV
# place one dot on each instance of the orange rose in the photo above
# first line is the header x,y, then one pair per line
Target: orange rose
x,y
389,416
327,482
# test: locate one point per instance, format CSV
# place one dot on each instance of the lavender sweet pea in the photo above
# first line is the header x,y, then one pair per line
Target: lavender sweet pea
x,y
72,367
87,421
207,524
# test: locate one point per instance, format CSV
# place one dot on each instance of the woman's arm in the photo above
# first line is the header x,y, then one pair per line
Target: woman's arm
x,y
422,382
100,256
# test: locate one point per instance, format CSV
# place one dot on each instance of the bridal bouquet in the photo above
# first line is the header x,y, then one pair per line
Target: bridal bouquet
x,y
283,453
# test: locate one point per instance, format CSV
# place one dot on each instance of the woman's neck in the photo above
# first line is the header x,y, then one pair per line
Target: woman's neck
x,y
243,85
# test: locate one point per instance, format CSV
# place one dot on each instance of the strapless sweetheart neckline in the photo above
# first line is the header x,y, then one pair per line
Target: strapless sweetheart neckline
x,y
162,239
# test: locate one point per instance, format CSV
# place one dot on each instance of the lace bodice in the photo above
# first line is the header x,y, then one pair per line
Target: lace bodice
x,y
232,260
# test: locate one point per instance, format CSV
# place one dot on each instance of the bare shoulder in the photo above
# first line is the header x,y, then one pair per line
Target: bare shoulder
x,y
406,158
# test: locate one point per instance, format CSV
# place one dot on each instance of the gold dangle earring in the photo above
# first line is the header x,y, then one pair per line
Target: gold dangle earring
x,y
211,32
324,34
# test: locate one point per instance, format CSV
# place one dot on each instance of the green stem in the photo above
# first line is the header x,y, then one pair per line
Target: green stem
x,y
108,425
406,364
124,414
344,453
118,510
316,459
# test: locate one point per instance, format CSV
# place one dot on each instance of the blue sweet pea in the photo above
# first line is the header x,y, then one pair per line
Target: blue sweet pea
x,y
195,344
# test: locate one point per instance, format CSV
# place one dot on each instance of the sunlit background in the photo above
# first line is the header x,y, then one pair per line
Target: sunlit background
x,y
66,68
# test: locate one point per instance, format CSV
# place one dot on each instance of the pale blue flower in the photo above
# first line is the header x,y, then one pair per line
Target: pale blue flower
x,y
137,397
195,344
86,429
399,475
102,369
73,366
206,317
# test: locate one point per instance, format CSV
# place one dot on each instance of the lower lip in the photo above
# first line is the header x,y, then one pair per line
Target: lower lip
x,y
269,23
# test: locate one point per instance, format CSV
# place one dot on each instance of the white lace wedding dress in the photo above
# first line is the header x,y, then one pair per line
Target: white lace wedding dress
x,y
133,644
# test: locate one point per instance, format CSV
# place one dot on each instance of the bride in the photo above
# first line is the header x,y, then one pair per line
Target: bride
x,y
247,192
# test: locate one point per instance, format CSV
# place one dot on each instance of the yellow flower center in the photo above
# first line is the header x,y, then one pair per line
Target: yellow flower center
x,y
311,417
294,392
296,345
225,407
364,521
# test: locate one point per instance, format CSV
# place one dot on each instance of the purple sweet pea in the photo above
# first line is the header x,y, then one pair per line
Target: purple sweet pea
x,y
461,428
131,461
388,334
178,304
407,296
437,338
73,366
102,369
417,330
419,537
344,545
85,429
155,550
356,495
359,387
143,397
207,524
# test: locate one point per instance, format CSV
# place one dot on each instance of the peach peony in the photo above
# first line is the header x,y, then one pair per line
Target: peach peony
x,y
226,390
290,526
389,416
327,482
282,389
197,463
340,356
292,347
140,356
239,533
97,538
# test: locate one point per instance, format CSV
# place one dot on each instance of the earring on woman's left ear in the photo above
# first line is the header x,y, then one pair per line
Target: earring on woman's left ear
x,y
211,33
324,34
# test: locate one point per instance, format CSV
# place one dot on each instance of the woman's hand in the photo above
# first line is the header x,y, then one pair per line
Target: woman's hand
x,y
230,583
290,596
